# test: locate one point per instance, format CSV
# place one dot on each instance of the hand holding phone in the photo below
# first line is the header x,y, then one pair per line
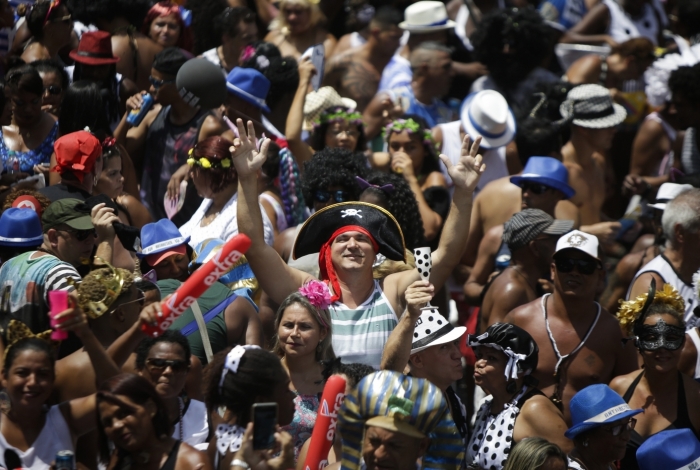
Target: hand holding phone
x,y
317,55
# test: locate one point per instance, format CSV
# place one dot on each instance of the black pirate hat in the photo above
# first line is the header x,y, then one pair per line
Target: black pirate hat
x,y
381,225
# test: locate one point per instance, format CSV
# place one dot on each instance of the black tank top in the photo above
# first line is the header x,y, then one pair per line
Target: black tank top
x,y
629,462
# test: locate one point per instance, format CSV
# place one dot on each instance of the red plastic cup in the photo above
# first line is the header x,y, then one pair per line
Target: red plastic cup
x,y
58,301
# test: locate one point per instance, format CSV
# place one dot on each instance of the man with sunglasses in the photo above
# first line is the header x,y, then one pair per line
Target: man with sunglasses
x,y
531,235
159,145
681,259
580,343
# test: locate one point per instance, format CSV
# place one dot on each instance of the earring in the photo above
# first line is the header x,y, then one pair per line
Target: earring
x,y
95,179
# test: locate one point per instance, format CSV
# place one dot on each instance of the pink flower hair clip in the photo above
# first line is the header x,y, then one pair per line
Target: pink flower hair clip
x,y
318,294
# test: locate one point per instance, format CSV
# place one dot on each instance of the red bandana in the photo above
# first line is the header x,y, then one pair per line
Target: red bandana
x,y
325,262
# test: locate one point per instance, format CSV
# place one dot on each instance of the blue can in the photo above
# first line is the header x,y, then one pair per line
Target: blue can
x,y
65,460
136,115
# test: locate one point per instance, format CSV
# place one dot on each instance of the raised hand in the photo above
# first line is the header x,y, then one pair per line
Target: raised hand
x,y
466,172
246,157
418,295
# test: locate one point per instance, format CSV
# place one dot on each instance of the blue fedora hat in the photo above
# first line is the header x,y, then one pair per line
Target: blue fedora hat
x,y
677,449
160,236
20,227
548,171
250,85
595,406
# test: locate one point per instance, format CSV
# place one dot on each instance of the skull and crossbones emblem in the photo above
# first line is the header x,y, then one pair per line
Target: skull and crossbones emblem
x,y
351,213
577,240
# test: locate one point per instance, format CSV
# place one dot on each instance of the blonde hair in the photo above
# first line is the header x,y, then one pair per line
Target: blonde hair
x,y
280,23
324,350
666,300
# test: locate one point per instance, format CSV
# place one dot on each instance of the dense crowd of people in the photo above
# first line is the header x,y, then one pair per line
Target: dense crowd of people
x,y
481,217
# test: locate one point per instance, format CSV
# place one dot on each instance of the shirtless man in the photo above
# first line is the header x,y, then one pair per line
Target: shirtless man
x,y
348,238
580,343
584,154
681,258
356,73
531,235
542,185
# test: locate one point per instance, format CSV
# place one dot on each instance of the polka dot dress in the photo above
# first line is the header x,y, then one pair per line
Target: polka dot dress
x,y
492,437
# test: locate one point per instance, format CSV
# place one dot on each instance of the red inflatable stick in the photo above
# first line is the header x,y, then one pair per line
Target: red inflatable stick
x,y
202,279
326,419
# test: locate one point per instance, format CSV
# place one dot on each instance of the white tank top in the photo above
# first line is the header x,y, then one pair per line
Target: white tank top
x,y
195,424
693,333
623,28
54,437
663,268
495,159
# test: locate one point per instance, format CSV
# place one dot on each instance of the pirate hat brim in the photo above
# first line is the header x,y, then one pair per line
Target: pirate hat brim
x,y
379,222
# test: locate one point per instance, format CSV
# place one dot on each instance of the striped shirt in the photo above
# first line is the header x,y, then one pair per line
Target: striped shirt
x,y
359,334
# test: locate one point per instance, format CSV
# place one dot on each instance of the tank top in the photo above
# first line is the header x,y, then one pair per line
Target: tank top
x,y
622,27
693,334
195,424
279,211
661,266
495,159
167,147
629,462
667,161
359,334
55,436
302,425
27,160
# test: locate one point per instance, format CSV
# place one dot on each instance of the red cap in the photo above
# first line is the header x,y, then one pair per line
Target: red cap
x,y
95,48
156,258
77,152
28,202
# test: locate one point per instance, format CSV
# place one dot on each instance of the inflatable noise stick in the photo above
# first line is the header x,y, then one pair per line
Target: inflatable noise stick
x,y
326,421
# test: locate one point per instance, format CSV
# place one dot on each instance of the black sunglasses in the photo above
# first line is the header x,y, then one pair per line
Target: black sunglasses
x,y
159,83
82,235
339,195
156,364
53,90
534,188
584,266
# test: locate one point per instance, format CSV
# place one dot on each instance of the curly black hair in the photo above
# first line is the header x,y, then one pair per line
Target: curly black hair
x,y
283,72
89,11
333,167
526,34
684,81
539,137
402,204
203,13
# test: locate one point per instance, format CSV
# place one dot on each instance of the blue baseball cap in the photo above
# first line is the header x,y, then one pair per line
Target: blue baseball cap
x,y
595,406
250,85
548,171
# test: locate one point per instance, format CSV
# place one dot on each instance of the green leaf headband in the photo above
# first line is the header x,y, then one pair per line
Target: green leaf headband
x,y
409,125
338,114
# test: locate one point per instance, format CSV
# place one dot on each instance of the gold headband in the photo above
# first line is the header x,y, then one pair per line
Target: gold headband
x,y
113,285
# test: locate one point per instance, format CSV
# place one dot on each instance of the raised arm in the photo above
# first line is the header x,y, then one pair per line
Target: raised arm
x,y
275,277
465,175
295,117
397,349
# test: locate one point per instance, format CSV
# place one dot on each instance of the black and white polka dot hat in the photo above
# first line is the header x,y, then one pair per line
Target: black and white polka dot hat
x,y
433,329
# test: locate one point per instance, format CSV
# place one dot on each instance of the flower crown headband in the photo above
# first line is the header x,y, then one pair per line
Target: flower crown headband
x,y
336,114
410,126
205,163
318,295
631,310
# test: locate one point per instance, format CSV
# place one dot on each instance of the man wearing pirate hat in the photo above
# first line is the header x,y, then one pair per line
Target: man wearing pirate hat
x,y
348,236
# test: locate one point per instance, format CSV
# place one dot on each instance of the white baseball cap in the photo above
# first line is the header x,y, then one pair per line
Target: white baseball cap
x,y
579,240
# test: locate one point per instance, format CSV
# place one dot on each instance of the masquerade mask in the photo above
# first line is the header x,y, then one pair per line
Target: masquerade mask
x,y
661,335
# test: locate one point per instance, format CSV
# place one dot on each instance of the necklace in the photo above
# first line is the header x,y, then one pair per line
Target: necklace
x,y
556,398
181,406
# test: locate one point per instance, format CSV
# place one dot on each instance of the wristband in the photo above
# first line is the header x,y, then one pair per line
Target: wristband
x,y
240,463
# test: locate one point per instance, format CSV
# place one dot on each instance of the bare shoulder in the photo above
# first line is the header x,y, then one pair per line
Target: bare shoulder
x,y
585,70
538,406
622,382
524,315
190,458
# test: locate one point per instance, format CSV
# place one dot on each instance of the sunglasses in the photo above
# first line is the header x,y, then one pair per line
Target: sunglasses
x,y
159,83
534,188
584,266
82,235
321,195
617,429
53,90
159,365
